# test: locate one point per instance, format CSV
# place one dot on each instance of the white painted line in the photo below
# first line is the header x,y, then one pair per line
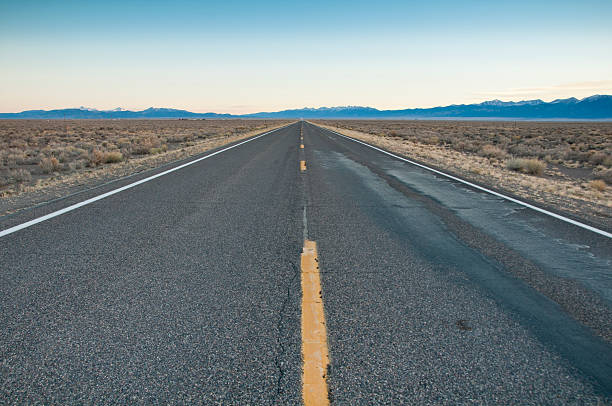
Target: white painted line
x,y
121,189
538,209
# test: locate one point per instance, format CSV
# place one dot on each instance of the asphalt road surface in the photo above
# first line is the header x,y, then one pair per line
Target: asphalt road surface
x,y
185,289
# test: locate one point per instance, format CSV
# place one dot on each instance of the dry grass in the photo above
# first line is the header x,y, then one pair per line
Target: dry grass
x,y
38,153
49,164
491,151
97,157
529,166
113,157
565,157
15,176
598,185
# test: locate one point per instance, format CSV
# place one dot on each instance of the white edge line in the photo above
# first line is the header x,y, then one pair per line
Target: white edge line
x,y
538,209
121,189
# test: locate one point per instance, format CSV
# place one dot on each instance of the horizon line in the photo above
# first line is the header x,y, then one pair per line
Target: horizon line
x,y
198,111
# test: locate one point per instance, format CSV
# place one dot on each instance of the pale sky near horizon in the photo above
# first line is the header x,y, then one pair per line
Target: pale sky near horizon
x,y
238,56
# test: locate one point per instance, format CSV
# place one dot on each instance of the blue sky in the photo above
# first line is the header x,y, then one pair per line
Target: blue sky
x,y
238,56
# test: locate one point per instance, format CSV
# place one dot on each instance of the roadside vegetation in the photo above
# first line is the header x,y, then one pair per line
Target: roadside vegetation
x,y
529,166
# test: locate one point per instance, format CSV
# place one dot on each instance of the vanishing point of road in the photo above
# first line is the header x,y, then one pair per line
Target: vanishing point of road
x,y
301,267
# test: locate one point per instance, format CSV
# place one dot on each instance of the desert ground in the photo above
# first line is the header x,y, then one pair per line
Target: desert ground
x,y
560,165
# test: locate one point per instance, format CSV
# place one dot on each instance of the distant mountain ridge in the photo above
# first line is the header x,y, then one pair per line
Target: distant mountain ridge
x,y
118,113
597,107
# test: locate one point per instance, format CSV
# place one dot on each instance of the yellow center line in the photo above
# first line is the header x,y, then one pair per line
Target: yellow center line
x,y
302,166
314,335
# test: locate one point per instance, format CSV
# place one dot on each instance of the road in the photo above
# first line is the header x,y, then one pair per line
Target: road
x,y
187,288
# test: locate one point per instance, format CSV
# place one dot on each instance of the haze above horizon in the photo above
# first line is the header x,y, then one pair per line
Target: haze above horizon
x,y
243,57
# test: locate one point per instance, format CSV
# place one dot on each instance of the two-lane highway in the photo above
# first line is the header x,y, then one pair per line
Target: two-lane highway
x,y
235,279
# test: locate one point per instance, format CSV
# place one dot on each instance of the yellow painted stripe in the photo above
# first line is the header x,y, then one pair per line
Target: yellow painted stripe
x,y
302,165
314,335
302,146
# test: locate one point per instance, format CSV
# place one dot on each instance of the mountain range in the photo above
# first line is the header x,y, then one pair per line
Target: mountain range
x,y
598,107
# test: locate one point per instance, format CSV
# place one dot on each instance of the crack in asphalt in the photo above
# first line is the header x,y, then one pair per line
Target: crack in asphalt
x,y
280,354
